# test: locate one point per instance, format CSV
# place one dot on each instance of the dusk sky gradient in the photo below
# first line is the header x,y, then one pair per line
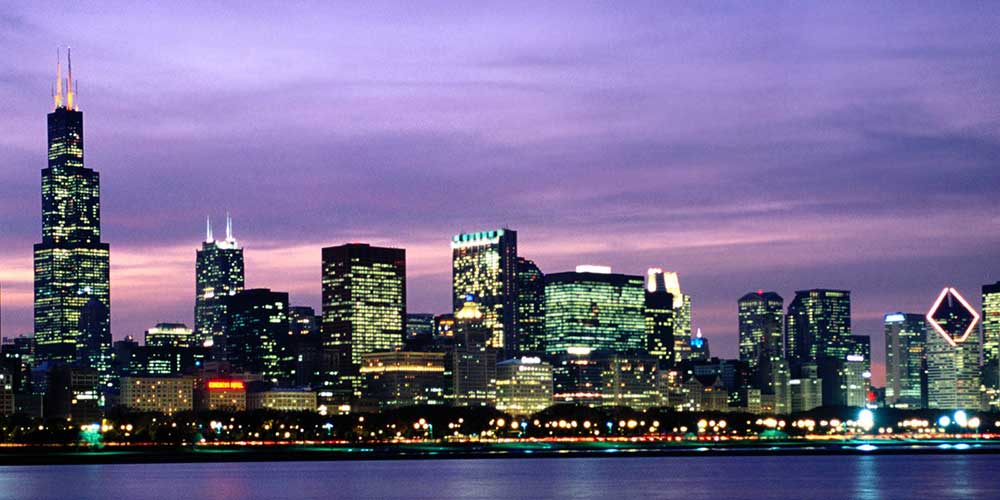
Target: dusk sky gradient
x,y
745,145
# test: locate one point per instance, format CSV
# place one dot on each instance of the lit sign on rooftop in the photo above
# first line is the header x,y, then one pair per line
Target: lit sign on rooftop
x,y
226,385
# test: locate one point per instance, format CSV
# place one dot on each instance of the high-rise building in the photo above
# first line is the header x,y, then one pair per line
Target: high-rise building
x,y
632,381
818,325
905,360
991,340
364,302
760,323
71,262
596,310
302,350
402,378
659,316
95,349
952,353
256,321
530,307
471,361
700,349
484,264
419,329
657,280
219,274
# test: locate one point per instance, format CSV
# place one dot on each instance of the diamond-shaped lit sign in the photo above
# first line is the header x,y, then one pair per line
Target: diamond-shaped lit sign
x,y
952,317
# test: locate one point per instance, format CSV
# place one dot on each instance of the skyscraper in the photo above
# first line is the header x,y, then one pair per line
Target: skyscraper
x,y
530,307
991,339
484,264
905,360
657,280
218,274
818,325
760,317
364,299
952,353
659,316
71,262
593,309
256,321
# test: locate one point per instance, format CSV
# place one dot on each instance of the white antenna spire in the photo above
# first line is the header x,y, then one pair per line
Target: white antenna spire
x,y
59,91
208,229
69,81
229,227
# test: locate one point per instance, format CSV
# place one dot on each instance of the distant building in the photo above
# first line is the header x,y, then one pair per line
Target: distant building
x,y
760,328
219,273
632,381
6,393
419,331
166,395
221,394
71,264
952,354
364,303
402,378
818,325
530,308
170,335
594,309
700,350
991,342
256,320
523,385
472,363
659,317
72,393
282,400
578,377
806,393
94,349
484,265
658,280
302,354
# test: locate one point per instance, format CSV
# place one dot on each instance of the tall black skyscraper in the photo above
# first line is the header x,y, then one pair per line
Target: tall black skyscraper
x,y
256,322
219,274
818,325
530,307
71,262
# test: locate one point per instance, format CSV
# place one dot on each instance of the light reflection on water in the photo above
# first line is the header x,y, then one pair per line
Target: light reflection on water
x,y
862,477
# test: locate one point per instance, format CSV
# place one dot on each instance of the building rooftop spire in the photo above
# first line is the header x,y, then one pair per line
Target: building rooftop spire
x,y
59,89
208,229
229,227
69,80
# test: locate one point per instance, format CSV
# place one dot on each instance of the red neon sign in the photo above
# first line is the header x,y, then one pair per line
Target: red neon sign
x,y
225,385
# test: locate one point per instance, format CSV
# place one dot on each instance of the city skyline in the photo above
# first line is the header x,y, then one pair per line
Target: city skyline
x,y
828,243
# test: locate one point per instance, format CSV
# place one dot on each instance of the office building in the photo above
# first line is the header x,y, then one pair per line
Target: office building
x,y
659,316
523,385
302,351
632,381
530,308
760,327
364,300
167,395
594,309
700,350
256,321
472,362
818,325
991,341
484,265
219,273
905,360
71,262
952,353
402,378
282,399
657,280
221,394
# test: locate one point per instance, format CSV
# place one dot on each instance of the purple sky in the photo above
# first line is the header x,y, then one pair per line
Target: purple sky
x,y
767,145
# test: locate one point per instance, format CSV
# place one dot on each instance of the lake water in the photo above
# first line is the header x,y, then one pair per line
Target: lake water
x,y
718,478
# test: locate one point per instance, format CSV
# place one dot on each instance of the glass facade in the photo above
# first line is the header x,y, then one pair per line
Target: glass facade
x,y
219,273
364,299
256,321
761,317
530,307
952,354
905,360
658,280
991,340
595,311
818,325
71,264
484,264
659,317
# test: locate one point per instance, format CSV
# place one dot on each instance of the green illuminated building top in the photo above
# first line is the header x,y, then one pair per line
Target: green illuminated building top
x,y
71,263
593,309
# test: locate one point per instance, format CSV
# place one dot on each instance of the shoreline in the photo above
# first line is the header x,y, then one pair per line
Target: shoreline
x,y
34,456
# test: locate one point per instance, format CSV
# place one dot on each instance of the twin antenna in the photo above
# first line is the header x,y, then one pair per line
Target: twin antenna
x,y
208,229
57,92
